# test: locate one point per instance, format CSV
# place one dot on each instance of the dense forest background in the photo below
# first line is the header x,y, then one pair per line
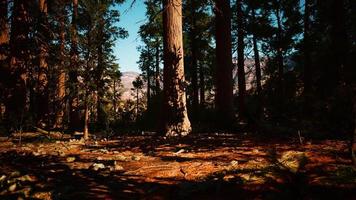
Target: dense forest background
x,y
272,67
246,99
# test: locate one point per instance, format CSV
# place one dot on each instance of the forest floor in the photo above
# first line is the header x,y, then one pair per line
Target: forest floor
x,y
201,166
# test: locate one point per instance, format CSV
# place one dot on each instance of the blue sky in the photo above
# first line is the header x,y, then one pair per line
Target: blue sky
x,y
126,49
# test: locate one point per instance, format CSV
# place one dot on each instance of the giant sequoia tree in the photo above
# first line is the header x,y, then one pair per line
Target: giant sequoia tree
x,y
74,117
176,121
224,84
19,59
4,29
42,87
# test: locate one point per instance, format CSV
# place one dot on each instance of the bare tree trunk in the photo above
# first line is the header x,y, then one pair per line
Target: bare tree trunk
x,y
194,62
148,77
257,58
353,146
4,30
202,87
42,86
158,85
307,58
16,102
258,70
137,102
99,79
74,117
176,121
86,117
280,59
241,61
4,42
61,80
224,82
114,100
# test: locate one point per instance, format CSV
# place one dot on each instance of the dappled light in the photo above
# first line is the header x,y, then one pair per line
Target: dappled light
x,y
154,167
177,99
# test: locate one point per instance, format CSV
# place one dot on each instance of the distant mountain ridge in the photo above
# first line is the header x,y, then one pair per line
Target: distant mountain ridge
x,y
126,81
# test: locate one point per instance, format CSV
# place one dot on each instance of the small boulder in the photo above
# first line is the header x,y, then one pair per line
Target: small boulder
x,y
70,159
234,163
135,158
98,166
26,178
120,158
293,160
116,167
12,187
2,178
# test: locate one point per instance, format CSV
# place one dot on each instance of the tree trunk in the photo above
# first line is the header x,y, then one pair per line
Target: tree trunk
x,y
353,144
176,121
224,82
202,87
42,86
257,65
74,116
86,117
158,85
99,77
258,70
4,42
114,103
241,61
148,77
148,89
4,30
280,59
19,57
61,80
307,58
257,58
137,102
194,63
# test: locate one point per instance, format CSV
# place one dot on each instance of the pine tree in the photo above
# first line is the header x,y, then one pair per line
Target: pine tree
x,y
176,122
42,86
61,73
4,43
16,104
224,84
241,60
74,117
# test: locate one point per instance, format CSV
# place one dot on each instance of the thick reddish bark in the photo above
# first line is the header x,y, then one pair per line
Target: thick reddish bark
x,y
176,122
61,80
86,116
42,85
224,83
19,41
4,42
4,29
74,117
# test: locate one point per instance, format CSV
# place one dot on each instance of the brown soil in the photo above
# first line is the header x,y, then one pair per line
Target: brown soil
x,y
204,166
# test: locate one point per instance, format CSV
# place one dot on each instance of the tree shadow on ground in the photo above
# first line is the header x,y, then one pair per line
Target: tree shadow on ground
x,y
55,178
